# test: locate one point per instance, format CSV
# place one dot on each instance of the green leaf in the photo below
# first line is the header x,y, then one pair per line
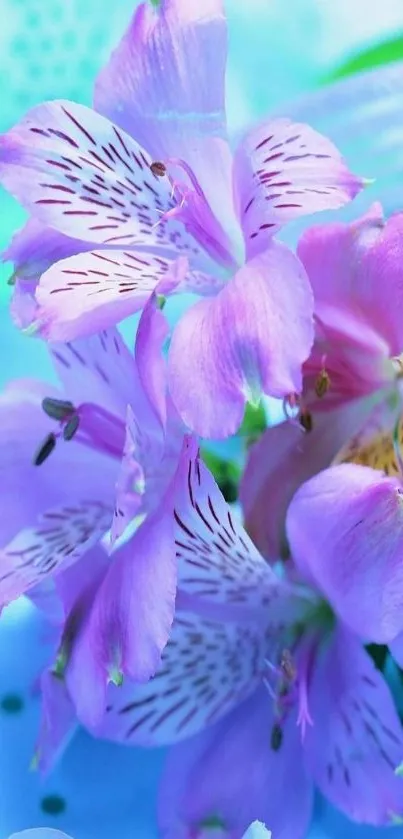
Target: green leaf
x,y
374,56
254,423
378,653
226,473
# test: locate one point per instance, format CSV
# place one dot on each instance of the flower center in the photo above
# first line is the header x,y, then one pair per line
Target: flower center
x,y
89,424
193,209
287,679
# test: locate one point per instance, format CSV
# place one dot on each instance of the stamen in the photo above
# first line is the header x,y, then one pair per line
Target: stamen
x,y
322,383
276,737
159,169
305,658
397,362
45,449
287,665
71,427
57,409
305,420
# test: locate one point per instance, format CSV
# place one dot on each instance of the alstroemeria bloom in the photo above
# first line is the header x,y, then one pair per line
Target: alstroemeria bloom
x,y
352,377
85,479
174,207
260,670
62,451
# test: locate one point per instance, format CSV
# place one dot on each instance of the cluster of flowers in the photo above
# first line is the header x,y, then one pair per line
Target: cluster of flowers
x,y
245,646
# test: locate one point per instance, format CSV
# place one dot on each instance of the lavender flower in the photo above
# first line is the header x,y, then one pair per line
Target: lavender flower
x,y
174,209
271,678
87,465
352,378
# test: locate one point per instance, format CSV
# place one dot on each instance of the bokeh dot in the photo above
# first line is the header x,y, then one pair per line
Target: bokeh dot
x,y
11,703
53,805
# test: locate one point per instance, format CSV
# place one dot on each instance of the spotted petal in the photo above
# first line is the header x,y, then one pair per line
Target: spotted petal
x,y
32,250
77,172
51,513
206,668
230,774
283,170
218,561
95,290
35,247
356,741
229,350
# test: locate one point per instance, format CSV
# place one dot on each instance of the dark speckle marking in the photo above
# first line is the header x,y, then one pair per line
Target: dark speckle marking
x,y
53,805
12,703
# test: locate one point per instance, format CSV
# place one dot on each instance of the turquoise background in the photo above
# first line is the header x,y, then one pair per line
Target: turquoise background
x,y
53,48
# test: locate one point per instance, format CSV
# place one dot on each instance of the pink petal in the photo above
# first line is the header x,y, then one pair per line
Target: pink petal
x,y
345,527
92,291
187,693
230,772
360,306
356,741
129,623
152,333
165,80
164,85
242,328
283,458
284,170
130,484
75,171
153,436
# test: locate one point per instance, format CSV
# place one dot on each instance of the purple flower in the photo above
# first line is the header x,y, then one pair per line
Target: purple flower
x,y
67,452
271,679
355,271
174,208
352,379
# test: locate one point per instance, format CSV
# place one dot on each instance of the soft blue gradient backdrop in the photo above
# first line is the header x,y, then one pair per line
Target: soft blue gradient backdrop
x,y
53,48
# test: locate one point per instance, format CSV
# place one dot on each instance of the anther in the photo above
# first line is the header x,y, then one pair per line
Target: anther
x,y
287,666
158,169
305,420
71,427
57,409
45,450
276,737
322,383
